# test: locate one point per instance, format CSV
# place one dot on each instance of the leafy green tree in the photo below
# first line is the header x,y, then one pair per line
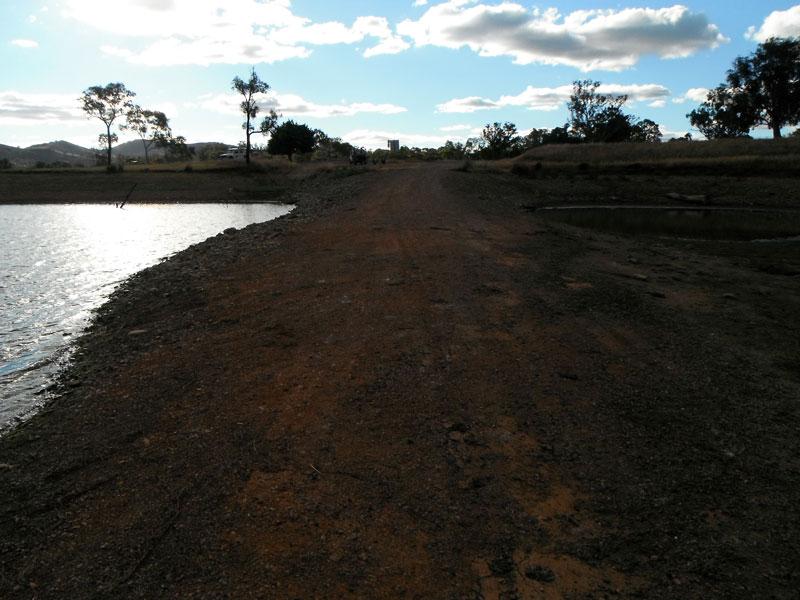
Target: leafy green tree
x,y
327,148
151,126
291,138
760,89
107,104
596,117
249,90
770,79
724,114
175,149
474,147
269,123
451,151
559,135
646,131
534,138
500,139
211,151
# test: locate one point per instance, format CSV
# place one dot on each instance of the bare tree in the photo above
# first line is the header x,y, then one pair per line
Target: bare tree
x,y
107,104
249,90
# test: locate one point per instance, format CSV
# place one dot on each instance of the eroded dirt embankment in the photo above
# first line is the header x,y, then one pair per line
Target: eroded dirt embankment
x,y
414,388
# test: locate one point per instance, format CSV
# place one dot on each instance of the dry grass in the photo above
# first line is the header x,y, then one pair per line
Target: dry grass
x,y
779,158
604,153
278,164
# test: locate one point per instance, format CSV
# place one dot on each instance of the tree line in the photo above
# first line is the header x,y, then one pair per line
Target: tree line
x,y
113,105
762,89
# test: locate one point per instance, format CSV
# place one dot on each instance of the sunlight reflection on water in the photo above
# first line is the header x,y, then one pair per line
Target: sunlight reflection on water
x,y
59,262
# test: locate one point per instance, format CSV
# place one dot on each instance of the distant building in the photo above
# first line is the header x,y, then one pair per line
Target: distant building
x,y
394,145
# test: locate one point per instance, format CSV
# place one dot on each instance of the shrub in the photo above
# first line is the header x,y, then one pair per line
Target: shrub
x,y
466,166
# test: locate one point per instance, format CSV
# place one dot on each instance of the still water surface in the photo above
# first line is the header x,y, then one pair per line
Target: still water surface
x,y
59,262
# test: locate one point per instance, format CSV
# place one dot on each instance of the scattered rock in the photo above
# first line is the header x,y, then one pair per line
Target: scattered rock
x,y
687,198
540,573
479,482
459,427
501,565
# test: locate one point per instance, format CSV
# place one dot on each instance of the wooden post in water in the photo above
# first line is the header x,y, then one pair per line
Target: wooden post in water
x,y
127,197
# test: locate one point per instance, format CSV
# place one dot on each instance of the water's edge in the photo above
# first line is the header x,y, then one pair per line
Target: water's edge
x,y
168,271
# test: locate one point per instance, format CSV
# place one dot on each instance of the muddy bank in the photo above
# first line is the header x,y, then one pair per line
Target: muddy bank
x,y
82,186
414,387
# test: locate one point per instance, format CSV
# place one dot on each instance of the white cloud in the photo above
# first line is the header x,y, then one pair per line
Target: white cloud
x,y
470,104
780,23
25,43
389,45
205,32
547,99
586,39
54,113
292,105
18,108
451,128
175,51
697,95
420,2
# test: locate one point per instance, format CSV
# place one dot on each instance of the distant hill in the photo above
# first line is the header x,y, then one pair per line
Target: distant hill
x,y
135,149
61,152
11,153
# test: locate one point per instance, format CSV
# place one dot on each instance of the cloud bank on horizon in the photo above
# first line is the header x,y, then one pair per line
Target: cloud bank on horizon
x,y
549,99
567,44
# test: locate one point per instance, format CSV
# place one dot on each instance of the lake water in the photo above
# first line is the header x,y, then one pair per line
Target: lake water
x,y
59,262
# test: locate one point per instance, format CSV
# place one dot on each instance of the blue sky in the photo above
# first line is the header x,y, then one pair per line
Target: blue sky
x,y
423,72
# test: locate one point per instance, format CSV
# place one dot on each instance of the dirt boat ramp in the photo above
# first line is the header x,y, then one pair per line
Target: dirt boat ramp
x,y
415,388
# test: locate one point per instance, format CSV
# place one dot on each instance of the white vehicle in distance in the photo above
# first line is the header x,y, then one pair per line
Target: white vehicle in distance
x,y
233,153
